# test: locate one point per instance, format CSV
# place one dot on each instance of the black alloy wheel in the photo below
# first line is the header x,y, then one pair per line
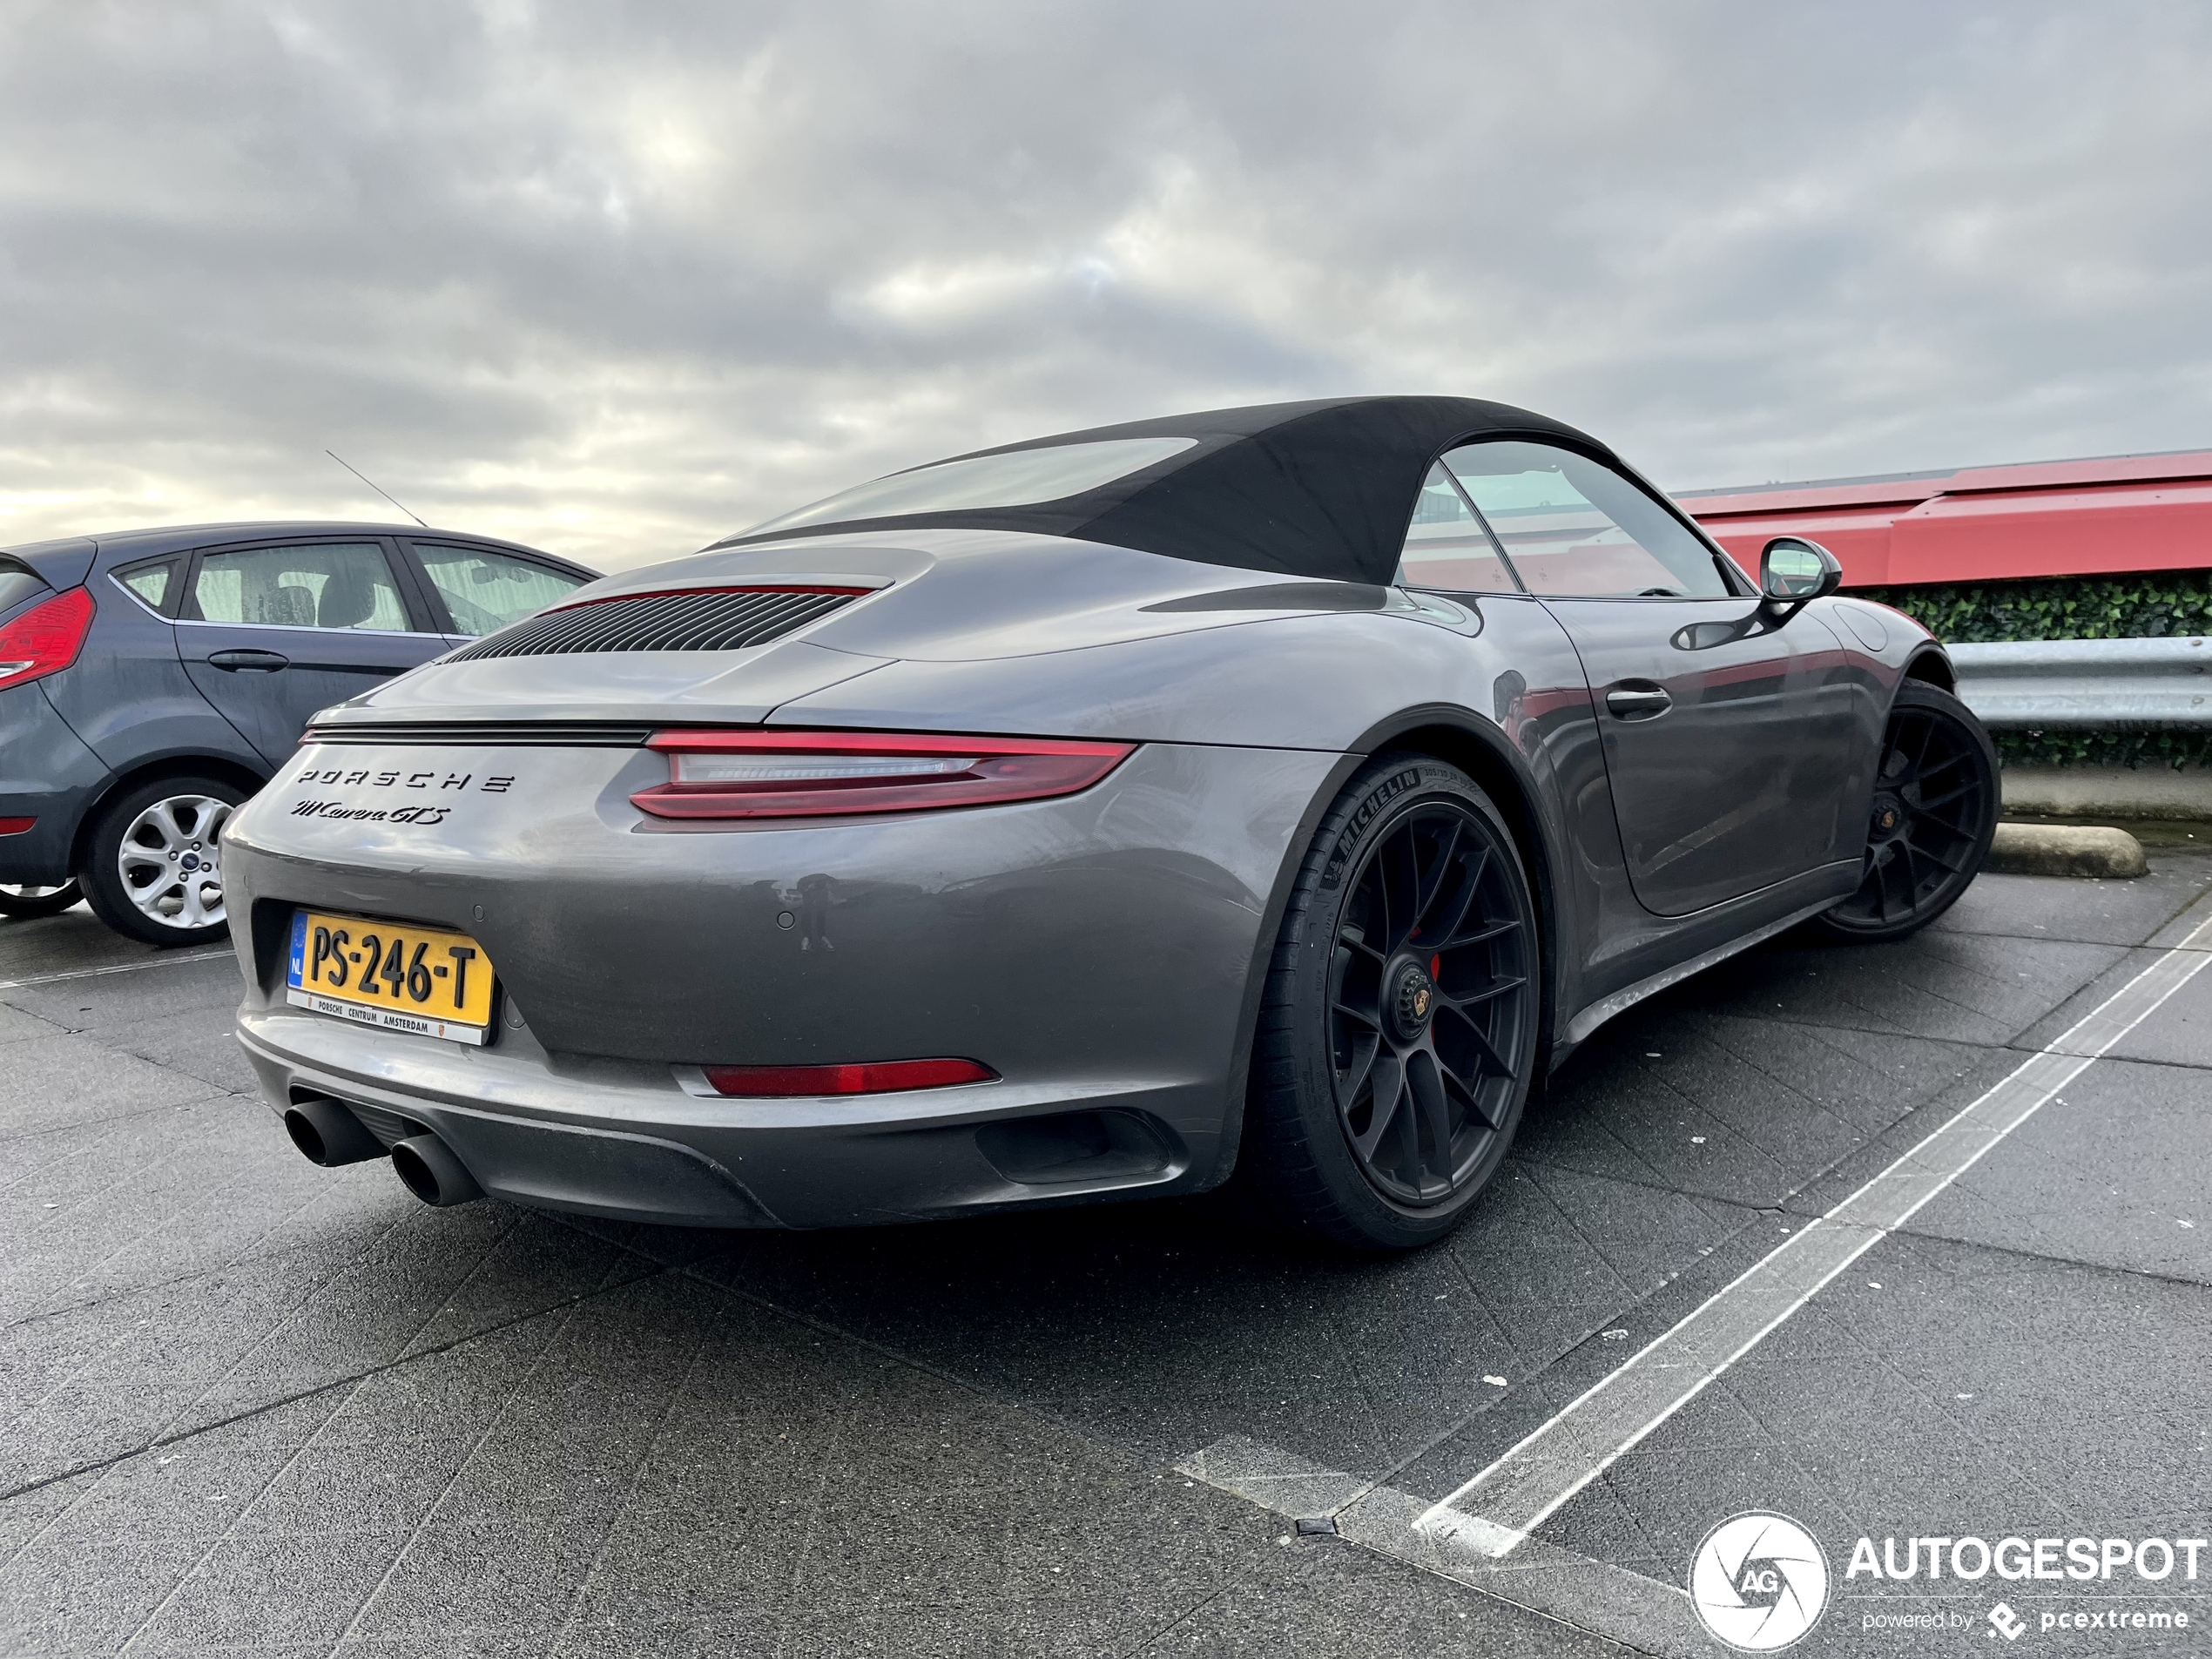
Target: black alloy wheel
x,y
1935,808
1397,1033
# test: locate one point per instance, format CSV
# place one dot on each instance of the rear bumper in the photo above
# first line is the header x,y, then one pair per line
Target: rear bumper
x,y
48,774
1098,952
620,1141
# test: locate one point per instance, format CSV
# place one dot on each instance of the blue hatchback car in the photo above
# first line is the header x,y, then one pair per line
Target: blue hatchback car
x,y
152,680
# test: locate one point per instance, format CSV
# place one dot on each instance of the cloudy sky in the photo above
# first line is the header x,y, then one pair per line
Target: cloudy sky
x,y
617,278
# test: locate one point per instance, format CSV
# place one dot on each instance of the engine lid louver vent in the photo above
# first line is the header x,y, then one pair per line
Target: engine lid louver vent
x,y
686,620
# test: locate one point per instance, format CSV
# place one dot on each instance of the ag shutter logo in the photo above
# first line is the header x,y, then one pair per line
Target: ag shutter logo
x,y
1758,1582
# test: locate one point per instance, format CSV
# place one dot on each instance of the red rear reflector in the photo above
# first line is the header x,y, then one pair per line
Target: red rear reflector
x,y
45,638
820,774
868,1077
16,826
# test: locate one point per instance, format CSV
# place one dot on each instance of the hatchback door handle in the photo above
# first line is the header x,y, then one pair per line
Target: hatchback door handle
x,y
262,662
1638,704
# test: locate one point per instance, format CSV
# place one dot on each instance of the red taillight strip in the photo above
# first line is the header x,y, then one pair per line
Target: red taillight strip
x,y
1001,770
723,740
678,593
867,1077
16,826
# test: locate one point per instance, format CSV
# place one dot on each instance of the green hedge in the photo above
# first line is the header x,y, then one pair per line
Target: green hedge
x,y
2068,606
2135,749
2150,606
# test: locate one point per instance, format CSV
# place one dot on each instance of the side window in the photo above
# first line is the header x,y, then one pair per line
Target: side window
x,y
1574,528
323,584
1445,545
483,590
151,584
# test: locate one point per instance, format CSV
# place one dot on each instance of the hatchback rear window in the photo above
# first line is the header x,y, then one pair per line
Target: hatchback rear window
x,y
17,583
484,590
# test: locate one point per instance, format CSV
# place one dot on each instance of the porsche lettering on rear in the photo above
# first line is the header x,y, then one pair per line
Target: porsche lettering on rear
x,y
431,779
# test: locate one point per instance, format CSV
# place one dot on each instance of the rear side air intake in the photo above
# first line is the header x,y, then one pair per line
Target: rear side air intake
x,y
686,620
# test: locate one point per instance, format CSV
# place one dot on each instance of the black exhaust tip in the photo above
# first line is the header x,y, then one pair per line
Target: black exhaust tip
x,y
327,1133
432,1173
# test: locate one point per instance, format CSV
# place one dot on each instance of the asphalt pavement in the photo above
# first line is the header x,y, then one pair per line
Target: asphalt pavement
x,y
253,1407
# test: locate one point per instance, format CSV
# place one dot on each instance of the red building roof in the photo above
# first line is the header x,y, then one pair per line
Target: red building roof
x,y
2111,513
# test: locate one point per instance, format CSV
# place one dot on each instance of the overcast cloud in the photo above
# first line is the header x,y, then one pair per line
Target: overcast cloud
x,y
616,279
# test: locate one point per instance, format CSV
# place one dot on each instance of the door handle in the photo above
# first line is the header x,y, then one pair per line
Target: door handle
x,y
262,662
1638,704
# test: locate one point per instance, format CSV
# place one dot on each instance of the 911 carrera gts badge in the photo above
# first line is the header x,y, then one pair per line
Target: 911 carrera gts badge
x,y
370,814
434,785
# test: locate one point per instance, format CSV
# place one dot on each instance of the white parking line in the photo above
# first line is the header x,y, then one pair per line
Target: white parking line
x,y
119,968
1494,1512
1641,1613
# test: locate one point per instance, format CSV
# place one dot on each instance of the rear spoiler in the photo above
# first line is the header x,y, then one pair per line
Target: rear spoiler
x,y
58,564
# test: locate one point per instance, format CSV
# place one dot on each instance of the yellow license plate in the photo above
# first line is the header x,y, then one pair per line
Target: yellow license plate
x,y
390,973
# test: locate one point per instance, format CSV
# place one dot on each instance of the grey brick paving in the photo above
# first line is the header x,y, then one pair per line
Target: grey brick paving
x,y
250,1406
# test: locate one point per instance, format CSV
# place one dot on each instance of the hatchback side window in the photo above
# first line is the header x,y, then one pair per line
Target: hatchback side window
x,y
1575,529
483,590
1445,545
151,583
323,584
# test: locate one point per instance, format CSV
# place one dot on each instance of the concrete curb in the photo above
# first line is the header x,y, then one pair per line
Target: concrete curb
x,y
2064,849
2107,792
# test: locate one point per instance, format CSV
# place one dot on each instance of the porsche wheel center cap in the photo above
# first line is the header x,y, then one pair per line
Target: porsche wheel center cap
x,y
1889,815
1414,1001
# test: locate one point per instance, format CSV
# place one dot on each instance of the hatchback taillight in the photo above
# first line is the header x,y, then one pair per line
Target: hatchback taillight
x,y
823,775
45,638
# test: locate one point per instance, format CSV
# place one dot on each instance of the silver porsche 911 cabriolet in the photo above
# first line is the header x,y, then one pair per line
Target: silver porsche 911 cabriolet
x,y
1277,792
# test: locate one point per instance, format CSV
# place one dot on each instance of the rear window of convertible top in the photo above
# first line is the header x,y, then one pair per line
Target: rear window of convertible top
x,y
1016,479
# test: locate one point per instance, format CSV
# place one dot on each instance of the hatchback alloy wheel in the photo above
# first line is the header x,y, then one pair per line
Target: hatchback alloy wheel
x,y
154,869
171,861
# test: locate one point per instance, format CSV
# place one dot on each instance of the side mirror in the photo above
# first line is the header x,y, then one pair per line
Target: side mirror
x,y
1792,571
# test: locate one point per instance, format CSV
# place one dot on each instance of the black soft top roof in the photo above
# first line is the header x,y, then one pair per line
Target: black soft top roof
x,y
1320,489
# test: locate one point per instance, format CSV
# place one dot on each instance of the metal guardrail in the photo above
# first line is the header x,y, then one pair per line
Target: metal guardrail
x,y
2088,682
